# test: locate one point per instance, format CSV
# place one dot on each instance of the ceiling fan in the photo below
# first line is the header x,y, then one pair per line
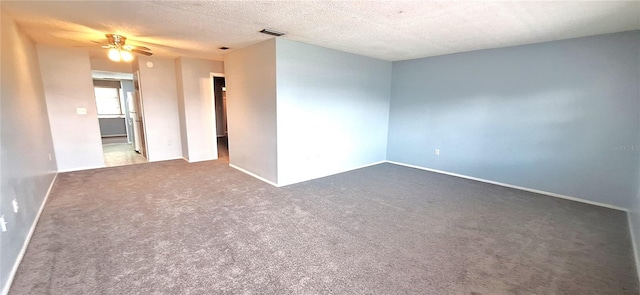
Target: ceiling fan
x,y
119,51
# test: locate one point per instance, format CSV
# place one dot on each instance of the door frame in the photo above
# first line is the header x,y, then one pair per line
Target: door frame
x,y
213,75
137,96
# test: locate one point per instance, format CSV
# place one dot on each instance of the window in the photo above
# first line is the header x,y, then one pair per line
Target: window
x,y
108,101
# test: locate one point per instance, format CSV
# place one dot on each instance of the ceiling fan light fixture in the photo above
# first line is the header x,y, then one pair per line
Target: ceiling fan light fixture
x,y
118,51
126,56
118,55
114,54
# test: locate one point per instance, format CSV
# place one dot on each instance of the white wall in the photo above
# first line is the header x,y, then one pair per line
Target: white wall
x,y
160,103
25,139
196,107
333,110
250,75
66,76
105,64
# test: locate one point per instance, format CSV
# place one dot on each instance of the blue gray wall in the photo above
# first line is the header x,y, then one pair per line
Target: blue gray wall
x,y
112,127
332,110
25,138
557,116
634,219
634,213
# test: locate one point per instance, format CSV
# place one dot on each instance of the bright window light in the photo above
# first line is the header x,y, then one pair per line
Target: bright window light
x,y
108,101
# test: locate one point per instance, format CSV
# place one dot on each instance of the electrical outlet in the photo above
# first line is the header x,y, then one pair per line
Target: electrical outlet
x,y
81,111
169,142
437,152
50,158
3,224
15,206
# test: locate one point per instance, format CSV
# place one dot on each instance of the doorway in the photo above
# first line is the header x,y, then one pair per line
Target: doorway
x,y
220,100
117,106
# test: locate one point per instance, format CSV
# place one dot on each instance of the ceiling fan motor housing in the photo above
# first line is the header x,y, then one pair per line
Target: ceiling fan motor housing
x,y
116,40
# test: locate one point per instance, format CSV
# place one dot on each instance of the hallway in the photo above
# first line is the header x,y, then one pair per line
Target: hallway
x,y
120,154
223,149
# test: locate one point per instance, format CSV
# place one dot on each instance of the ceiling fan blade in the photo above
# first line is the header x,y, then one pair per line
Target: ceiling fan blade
x,y
140,47
131,47
142,52
100,42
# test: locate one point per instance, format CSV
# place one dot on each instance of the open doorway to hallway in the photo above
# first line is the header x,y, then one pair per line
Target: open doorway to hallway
x,y
118,118
220,98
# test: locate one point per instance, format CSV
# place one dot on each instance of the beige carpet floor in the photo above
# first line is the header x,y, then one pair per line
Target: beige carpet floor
x,y
204,228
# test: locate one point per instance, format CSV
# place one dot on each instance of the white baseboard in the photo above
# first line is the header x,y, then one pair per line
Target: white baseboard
x,y
168,159
514,186
254,175
81,168
12,274
200,160
634,245
281,185
334,173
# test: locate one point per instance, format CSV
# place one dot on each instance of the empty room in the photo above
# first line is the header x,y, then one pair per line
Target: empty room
x,y
320,147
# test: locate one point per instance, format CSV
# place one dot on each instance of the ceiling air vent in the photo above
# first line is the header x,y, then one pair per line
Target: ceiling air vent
x,y
223,48
271,32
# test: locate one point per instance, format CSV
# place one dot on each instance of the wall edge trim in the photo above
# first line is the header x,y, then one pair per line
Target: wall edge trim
x,y
338,172
81,168
254,175
634,246
201,160
560,196
23,250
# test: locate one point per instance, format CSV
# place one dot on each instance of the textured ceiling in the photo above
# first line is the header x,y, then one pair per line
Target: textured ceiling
x,y
389,30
